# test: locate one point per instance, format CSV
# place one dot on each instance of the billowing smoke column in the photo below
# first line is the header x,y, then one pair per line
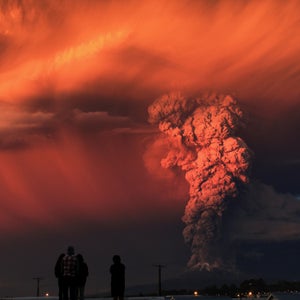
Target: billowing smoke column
x,y
202,142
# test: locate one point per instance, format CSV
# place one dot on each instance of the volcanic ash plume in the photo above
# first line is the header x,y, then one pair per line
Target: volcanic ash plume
x,y
202,142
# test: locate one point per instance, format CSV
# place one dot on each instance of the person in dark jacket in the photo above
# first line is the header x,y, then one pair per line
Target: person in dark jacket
x,y
83,273
58,271
70,270
117,271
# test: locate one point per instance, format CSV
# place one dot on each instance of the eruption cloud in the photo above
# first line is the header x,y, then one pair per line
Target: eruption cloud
x,y
202,142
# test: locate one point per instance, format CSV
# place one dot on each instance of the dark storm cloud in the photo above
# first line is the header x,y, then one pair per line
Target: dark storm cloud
x,y
26,128
263,214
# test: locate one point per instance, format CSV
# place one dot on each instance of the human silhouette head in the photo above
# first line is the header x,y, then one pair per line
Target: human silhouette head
x,y
116,259
61,256
79,257
71,250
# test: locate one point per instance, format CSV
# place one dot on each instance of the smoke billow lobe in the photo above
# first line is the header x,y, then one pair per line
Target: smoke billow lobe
x,y
202,142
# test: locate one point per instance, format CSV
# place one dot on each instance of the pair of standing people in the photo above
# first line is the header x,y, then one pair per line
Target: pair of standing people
x,y
72,272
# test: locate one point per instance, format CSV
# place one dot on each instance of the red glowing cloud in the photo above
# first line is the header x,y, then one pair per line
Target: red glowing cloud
x,y
70,180
251,48
75,85
201,133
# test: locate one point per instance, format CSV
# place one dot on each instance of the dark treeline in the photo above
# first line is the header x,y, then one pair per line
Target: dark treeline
x,y
254,286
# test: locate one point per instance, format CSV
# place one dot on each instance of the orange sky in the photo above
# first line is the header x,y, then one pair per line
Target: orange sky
x,y
76,147
249,48
74,82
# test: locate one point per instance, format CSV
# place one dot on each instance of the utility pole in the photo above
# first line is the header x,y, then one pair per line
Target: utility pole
x,y
159,277
38,279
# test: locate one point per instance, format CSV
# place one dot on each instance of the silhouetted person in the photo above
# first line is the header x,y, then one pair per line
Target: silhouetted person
x,y
117,271
58,271
83,273
70,269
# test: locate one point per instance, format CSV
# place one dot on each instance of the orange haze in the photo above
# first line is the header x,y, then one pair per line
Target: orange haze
x,y
76,78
